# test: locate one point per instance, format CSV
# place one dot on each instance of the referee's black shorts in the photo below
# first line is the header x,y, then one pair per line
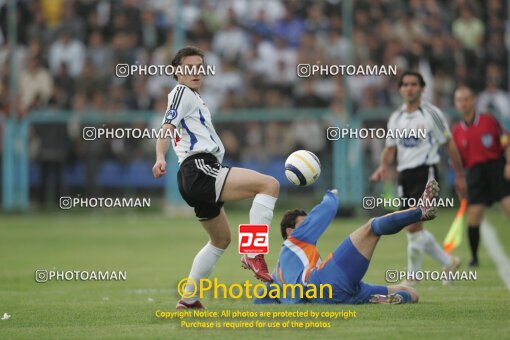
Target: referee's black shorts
x,y
486,182
201,180
411,183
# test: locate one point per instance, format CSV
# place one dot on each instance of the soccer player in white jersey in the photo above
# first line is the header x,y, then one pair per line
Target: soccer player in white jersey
x,y
204,182
417,160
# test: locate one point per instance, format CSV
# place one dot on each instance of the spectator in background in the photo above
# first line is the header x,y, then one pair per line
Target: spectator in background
x,y
123,44
408,30
259,44
493,98
90,152
117,98
69,51
469,30
253,98
98,101
284,76
253,143
52,11
261,26
248,10
209,14
278,63
231,143
358,84
99,53
37,85
53,150
274,99
277,57
94,25
131,12
230,102
199,32
35,49
65,86
60,99
19,56
230,42
290,27
362,20
360,49
307,97
5,104
440,55
230,82
309,51
443,89
495,24
24,16
315,21
142,99
307,134
151,36
277,141
91,79
337,48
496,52
337,103
72,23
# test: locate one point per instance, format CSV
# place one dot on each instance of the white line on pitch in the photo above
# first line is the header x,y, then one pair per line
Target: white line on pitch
x,y
496,252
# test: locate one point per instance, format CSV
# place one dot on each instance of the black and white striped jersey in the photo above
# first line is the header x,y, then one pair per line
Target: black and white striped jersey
x,y
187,112
415,151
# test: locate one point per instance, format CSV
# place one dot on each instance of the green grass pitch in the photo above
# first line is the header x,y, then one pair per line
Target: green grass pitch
x,y
157,251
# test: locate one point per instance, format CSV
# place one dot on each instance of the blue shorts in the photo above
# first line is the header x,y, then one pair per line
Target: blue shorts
x,y
343,270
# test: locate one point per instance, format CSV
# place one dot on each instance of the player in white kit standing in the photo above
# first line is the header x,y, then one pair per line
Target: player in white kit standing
x,y
204,182
417,160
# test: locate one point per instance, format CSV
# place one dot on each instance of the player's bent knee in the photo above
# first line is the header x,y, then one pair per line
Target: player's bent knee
x,y
270,186
274,186
222,243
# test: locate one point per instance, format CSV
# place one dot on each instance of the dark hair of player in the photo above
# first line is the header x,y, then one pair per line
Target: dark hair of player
x,y
411,73
289,220
187,51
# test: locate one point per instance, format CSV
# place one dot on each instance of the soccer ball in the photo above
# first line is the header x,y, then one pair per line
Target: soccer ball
x,y
302,168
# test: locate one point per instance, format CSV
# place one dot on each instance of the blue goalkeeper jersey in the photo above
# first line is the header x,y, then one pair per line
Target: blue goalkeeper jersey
x,y
299,254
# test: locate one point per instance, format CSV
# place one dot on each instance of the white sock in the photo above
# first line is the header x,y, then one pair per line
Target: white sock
x,y
261,211
435,251
415,247
202,267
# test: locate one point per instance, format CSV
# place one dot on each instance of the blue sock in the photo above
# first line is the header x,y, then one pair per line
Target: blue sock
x,y
395,222
405,295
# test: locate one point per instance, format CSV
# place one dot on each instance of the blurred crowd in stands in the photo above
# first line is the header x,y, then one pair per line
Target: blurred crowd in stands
x,y
67,51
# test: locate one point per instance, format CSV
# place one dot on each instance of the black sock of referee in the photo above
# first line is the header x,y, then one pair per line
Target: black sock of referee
x,y
474,240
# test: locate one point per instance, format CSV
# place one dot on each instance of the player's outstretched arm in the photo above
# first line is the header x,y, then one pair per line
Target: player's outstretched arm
x,y
162,145
318,220
460,179
387,157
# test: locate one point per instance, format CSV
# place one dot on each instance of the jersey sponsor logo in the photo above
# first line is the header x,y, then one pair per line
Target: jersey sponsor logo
x,y
253,239
487,140
410,142
171,114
